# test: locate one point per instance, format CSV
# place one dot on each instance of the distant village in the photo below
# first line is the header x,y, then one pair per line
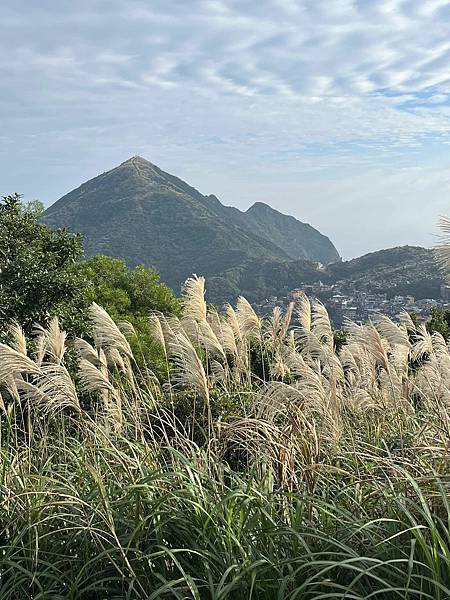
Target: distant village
x,y
356,305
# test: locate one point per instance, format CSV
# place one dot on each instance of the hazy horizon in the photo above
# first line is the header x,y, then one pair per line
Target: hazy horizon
x,y
335,112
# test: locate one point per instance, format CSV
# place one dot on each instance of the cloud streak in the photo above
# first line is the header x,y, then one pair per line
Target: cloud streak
x,y
238,97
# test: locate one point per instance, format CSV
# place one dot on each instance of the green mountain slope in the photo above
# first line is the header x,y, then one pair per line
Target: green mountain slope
x,y
138,212
297,239
406,270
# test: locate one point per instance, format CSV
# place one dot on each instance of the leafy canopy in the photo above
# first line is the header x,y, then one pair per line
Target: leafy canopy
x,y
131,295
37,280
125,292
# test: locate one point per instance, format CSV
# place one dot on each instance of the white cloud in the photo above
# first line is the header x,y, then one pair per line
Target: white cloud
x,y
304,91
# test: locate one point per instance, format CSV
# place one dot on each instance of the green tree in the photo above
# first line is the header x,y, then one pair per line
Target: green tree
x,y
439,321
37,278
126,292
131,295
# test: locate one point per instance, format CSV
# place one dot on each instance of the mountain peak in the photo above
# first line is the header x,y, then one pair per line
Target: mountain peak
x,y
147,216
136,159
260,207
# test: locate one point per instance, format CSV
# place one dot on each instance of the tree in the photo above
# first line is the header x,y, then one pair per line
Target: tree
x,y
37,277
439,321
126,292
131,295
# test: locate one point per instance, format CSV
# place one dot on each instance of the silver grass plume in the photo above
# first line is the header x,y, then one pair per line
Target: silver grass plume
x,y
190,371
194,305
224,332
14,363
53,389
88,352
249,322
18,339
97,380
51,342
391,332
304,312
106,333
321,325
423,343
233,322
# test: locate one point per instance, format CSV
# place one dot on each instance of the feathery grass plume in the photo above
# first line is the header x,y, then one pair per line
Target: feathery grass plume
x,y
223,332
294,361
443,248
321,324
51,342
106,333
279,324
194,305
233,322
406,320
287,321
191,328
14,363
304,315
209,340
88,352
157,331
17,338
277,399
93,379
278,367
53,389
242,367
423,344
393,333
370,339
190,371
170,326
275,325
96,380
249,322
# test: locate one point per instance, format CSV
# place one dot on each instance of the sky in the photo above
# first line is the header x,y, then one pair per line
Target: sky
x,y
334,111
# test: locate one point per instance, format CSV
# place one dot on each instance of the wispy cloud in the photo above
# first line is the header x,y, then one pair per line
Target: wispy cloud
x,y
306,95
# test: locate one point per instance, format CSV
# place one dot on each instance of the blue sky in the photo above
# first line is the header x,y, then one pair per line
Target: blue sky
x,y
335,111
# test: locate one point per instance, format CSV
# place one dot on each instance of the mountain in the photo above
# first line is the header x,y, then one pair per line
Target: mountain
x,y
299,240
138,212
405,270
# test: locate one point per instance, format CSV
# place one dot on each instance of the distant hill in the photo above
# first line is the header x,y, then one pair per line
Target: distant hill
x,y
406,270
138,212
297,239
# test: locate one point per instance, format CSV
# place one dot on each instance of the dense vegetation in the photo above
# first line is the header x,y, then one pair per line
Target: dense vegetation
x,y
42,276
406,270
188,453
266,465
37,280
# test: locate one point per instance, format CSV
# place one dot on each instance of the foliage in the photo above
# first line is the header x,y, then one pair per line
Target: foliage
x,y
440,322
268,464
37,280
130,295
406,270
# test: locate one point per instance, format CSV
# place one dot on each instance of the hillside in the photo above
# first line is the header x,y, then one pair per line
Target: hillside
x,y
138,212
299,240
406,270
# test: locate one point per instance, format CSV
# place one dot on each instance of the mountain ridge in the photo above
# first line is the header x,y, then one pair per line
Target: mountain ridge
x,y
139,212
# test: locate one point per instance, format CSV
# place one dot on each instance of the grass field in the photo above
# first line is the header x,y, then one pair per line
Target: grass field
x,y
267,463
